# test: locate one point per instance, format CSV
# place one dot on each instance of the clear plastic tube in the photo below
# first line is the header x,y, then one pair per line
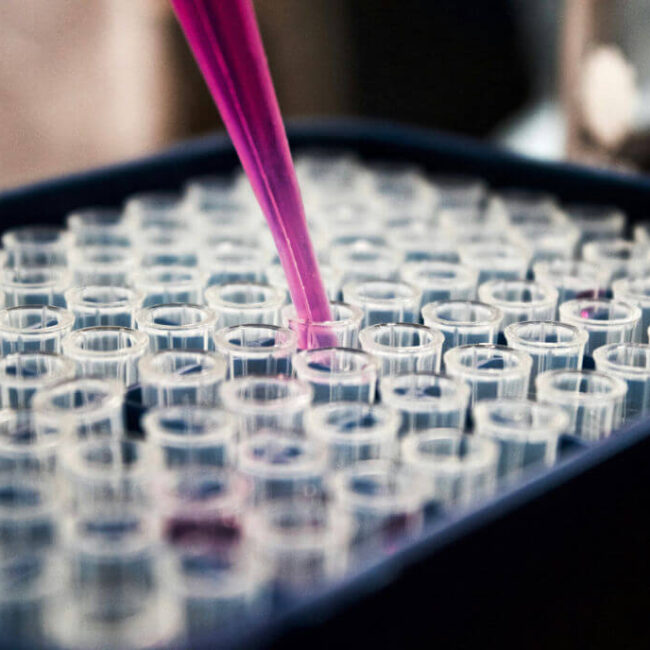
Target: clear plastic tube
x,y
353,432
172,246
403,348
527,433
426,401
496,261
21,375
618,257
605,321
635,291
384,301
102,266
303,545
181,378
93,407
491,371
440,281
572,279
37,246
256,349
519,300
34,328
331,279
240,303
530,206
103,306
228,263
631,363
98,226
162,285
107,352
596,222
153,210
362,261
342,330
35,286
548,242
338,374
459,191
177,326
415,248
192,438
266,403
551,345
462,322
461,470
385,503
282,466
593,400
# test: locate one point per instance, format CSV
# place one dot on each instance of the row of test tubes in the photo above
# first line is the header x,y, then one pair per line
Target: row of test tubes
x,y
176,451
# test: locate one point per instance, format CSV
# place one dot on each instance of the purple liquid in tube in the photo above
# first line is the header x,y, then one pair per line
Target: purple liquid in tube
x,y
225,40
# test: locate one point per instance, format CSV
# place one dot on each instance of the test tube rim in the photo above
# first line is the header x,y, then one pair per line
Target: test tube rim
x,y
429,312
351,291
47,505
63,277
486,294
74,296
141,277
543,267
140,343
148,370
608,366
448,402
289,345
229,393
436,339
355,317
275,300
144,317
543,385
65,320
512,336
10,242
367,372
466,274
580,303
524,361
67,365
622,290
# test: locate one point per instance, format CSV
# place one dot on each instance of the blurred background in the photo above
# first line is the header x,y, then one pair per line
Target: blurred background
x,y
85,83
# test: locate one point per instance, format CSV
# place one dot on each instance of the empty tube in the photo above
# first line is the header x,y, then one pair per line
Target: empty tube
x,y
103,306
230,262
631,363
192,437
363,261
282,466
403,348
153,210
98,226
605,321
459,191
548,241
163,285
172,246
596,222
426,401
530,206
93,407
440,281
303,545
34,328
496,261
384,301
551,345
342,331
462,322
338,374
491,371
527,433
385,503
460,469
256,349
181,378
35,285
353,432
102,266
519,300
635,291
593,400
416,249
240,303
107,352
177,326
618,257
21,375
266,403
572,279
37,246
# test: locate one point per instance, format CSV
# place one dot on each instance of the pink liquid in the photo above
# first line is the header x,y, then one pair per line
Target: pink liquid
x,y
226,42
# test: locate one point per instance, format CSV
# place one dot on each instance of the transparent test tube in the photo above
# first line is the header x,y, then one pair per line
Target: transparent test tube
x,y
462,322
103,306
496,261
192,437
635,291
107,352
596,222
519,300
460,469
353,432
618,257
181,378
605,321
162,285
102,266
245,303
593,400
426,401
338,374
35,285
256,349
37,328
37,246
384,301
631,363
572,279
403,348
22,375
527,433
440,281
342,331
98,226
491,371
177,326
266,403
